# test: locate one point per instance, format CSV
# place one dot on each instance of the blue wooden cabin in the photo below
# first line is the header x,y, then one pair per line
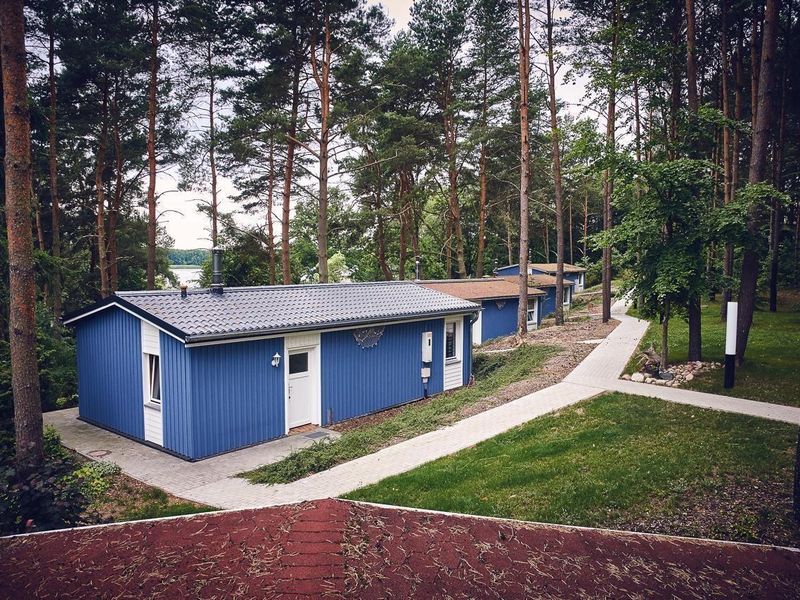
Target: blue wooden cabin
x,y
207,371
499,300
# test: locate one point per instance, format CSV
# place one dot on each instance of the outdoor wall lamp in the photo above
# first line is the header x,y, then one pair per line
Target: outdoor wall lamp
x,y
276,360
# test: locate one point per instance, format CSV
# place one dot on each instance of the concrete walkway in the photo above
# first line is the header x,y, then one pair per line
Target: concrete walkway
x,y
211,481
173,474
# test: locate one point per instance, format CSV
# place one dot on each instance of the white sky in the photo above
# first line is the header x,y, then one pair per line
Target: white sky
x,y
190,228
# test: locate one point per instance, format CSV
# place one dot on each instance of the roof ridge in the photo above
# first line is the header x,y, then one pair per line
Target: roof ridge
x,y
255,288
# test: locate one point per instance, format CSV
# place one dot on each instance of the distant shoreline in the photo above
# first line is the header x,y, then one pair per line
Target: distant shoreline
x,y
174,267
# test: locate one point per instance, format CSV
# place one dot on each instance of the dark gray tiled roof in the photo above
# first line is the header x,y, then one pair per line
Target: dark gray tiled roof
x,y
281,308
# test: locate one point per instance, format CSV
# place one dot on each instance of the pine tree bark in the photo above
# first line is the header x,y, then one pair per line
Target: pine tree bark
x,y
556,152
116,200
321,72
270,220
727,268
524,25
776,228
22,285
288,174
100,192
757,173
691,59
482,175
52,163
451,140
152,107
695,350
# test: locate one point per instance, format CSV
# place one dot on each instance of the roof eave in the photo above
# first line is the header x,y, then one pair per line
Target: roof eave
x,y
221,337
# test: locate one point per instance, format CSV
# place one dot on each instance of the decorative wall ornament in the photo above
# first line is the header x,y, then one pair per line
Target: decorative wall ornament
x,y
500,304
368,337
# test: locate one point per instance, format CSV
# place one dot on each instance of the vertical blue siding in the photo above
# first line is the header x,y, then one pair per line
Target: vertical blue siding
x,y
176,396
466,350
357,381
237,395
110,388
497,322
548,301
510,270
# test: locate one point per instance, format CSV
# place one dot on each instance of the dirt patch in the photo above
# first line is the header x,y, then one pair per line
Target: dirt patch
x,y
570,352
726,507
340,549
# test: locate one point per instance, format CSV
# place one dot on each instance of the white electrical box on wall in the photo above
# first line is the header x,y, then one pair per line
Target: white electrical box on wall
x,y
427,346
426,373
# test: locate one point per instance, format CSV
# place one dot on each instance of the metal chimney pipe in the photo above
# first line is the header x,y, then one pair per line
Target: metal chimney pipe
x,y
216,271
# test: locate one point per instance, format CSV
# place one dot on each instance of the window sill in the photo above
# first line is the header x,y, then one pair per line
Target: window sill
x,y
153,406
452,361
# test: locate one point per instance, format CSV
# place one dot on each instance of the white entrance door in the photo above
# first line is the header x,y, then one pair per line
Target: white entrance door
x,y
302,388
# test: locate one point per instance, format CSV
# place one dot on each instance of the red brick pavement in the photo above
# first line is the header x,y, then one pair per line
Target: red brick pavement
x,y
333,548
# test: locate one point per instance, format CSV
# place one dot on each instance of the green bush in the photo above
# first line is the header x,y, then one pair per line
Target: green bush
x,y
95,477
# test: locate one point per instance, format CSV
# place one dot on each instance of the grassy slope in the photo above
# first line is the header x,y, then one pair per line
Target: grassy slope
x,y
610,462
492,373
772,362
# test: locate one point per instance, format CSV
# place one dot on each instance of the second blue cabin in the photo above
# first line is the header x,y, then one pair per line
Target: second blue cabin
x,y
499,300
542,276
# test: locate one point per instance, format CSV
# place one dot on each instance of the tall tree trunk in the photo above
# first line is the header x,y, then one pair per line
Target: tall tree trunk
x,y
451,140
757,173
524,23
152,107
482,214
585,221
212,143
286,265
693,304
727,268
483,175
22,284
270,220
102,256
52,163
380,227
571,240
116,201
777,176
608,182
727,179
556,151
691,59
321,73
755,63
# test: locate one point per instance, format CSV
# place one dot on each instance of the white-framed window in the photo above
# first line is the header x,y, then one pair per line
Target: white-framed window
x,y
153,378
532,304
567,294
451,340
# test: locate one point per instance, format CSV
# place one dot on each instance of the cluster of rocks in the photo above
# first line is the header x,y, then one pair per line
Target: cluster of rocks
x,y
681,373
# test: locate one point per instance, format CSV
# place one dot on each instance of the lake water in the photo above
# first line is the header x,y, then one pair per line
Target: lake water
x,y
189,275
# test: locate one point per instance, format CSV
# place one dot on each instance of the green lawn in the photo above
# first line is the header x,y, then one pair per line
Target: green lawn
x,y
492,373
771,372
623,462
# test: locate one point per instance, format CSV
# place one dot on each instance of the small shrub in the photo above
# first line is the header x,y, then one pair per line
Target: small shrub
x,y
96,478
